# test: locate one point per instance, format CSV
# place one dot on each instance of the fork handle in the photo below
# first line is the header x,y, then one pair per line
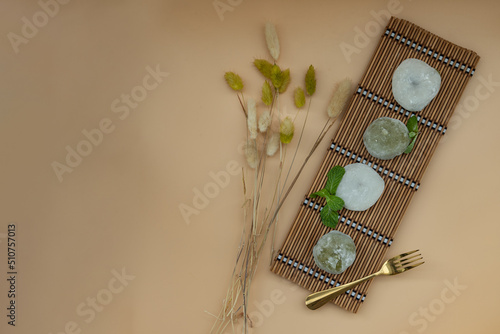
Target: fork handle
x,y
318,299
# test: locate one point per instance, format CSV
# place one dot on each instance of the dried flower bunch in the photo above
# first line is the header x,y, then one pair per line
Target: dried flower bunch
x,y
268,132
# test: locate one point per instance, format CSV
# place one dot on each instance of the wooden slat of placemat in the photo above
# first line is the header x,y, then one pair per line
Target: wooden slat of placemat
x,y
373,230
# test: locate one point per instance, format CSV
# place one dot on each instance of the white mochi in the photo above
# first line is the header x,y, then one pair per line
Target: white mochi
x,y
360,187
415,84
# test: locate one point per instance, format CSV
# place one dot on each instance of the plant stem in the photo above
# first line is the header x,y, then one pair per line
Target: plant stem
x,y
242,103
325,130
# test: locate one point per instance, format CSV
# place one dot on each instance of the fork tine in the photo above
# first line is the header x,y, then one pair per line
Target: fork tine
x,y
411,267
411,256
397,257
409,260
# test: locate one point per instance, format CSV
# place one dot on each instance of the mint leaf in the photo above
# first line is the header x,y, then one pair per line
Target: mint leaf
x,y
412,124
320,193
410,147
334,177
329,216
335,202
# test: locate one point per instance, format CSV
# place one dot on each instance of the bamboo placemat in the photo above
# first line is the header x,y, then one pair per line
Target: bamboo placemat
x,y
373,230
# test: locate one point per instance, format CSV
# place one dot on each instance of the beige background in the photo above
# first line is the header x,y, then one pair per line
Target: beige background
x,y
119,208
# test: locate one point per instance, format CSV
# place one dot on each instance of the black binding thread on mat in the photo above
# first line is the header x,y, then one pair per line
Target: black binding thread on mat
x,y
378,168
311,204
305,270
400,110
429,52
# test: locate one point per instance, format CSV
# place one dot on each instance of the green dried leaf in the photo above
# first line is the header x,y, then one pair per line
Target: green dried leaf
x,y
264,67
286,139
234,81
299,97
287,128
286,80
276,76
310,81
267,94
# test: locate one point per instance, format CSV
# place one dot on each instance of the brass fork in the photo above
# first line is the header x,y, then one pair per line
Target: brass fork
x,y
397,265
